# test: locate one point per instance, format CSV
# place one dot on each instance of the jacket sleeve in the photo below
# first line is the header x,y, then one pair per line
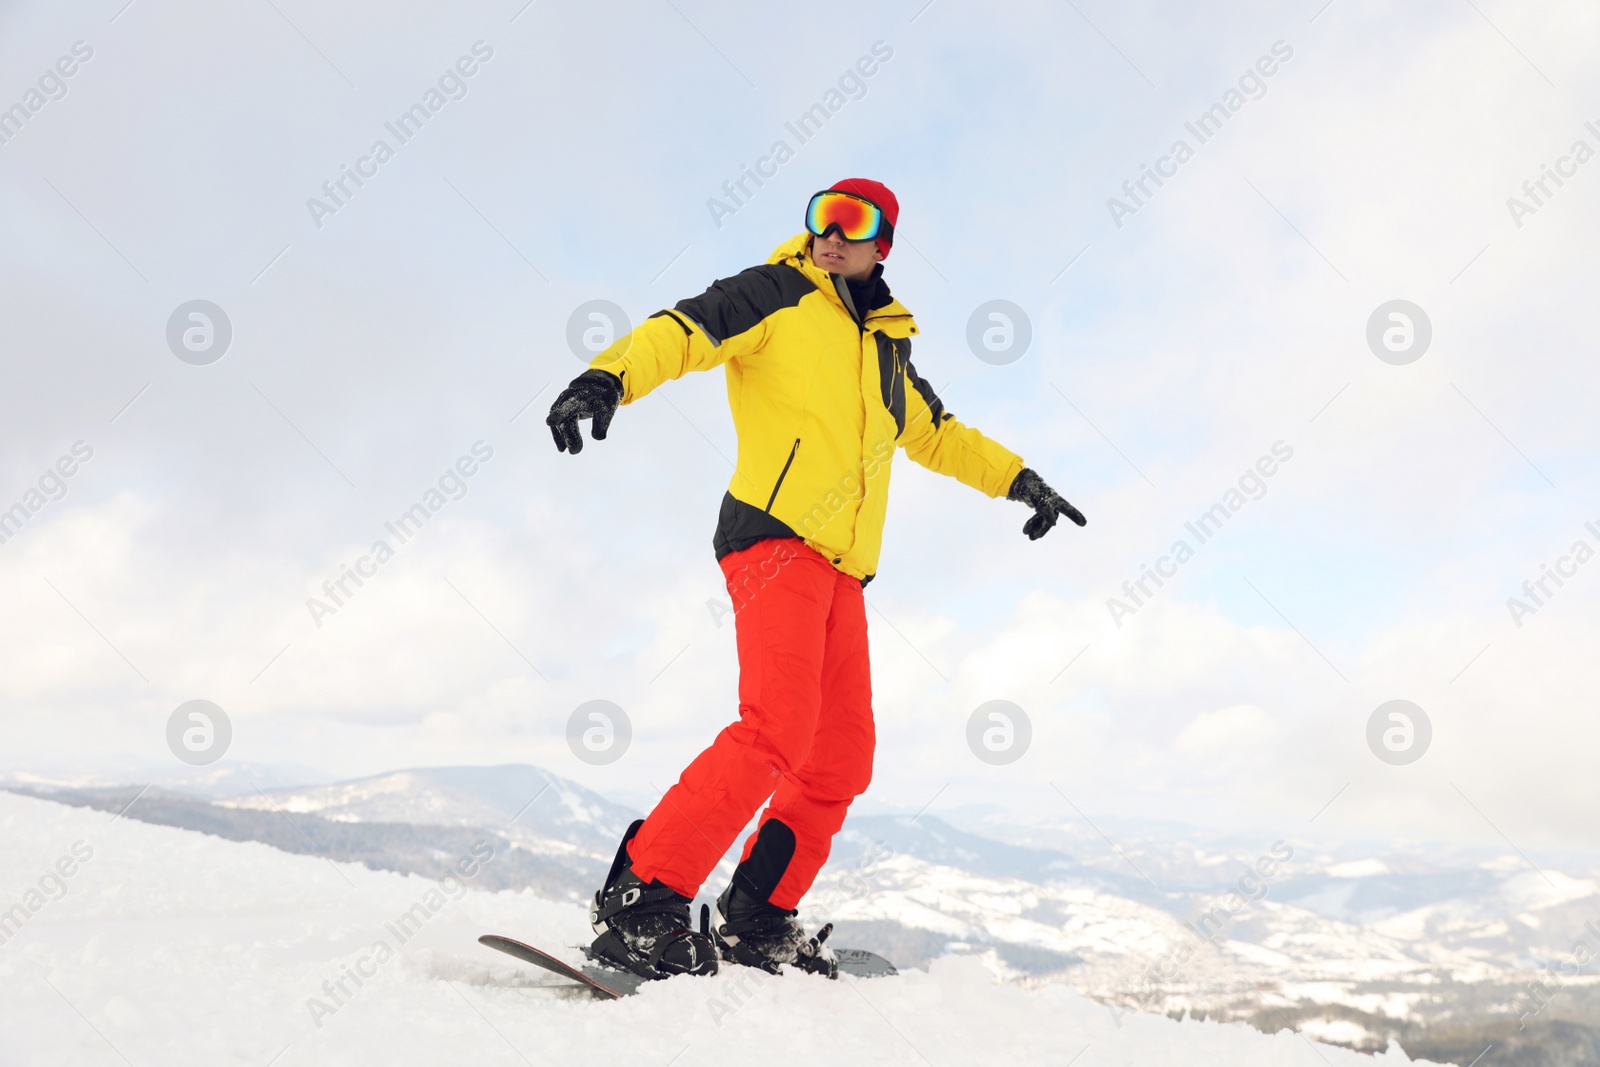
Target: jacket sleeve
x,y
730,319
939,441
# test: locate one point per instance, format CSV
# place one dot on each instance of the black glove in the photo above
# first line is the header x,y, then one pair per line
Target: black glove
x,y
594,394
1046,503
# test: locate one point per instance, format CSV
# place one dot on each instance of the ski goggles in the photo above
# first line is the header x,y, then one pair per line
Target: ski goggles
x,y
857,219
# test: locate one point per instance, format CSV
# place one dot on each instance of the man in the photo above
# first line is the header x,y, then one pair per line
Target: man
x,y
820,382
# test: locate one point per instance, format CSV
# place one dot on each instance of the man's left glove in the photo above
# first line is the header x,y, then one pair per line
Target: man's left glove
x,y
594,394
1046,503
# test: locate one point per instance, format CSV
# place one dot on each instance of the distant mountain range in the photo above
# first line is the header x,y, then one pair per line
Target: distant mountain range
x,y
1349,949
539,810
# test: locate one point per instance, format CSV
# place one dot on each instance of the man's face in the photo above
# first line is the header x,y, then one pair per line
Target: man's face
x,y
852,259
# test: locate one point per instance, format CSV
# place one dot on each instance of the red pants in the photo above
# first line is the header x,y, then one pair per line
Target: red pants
x,y
804,736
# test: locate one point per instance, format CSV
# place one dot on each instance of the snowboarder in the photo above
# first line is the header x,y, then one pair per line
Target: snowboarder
x,y
818,362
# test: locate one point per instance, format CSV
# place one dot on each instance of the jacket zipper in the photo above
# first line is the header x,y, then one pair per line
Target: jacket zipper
x,y
782,475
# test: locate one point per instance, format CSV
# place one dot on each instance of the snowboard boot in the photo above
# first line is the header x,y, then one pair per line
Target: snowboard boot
x,y
760,934
751,930
645,927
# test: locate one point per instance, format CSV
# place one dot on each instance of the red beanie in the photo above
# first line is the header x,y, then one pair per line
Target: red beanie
x,y
879,194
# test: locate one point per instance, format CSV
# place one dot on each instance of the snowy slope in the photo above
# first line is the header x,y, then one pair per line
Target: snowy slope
x,y
1356,944
152,945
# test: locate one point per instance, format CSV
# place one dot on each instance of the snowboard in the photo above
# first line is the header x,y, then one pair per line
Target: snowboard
x,y
610,983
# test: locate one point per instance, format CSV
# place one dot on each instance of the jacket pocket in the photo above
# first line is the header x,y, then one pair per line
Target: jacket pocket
x,y
782,475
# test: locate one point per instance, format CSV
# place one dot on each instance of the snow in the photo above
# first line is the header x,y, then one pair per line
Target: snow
x,y
1547,889
165,946
1359,868
1335,1030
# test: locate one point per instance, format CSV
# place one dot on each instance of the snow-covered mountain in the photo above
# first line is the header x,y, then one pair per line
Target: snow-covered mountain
x,y
126,942
1354,944
554,835
534,807
1456,963
224,779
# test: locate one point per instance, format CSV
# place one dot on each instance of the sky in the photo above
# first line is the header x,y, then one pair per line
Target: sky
x,y
1179,334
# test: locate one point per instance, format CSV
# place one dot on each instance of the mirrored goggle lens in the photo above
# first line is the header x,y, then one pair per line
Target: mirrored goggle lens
x,y
857,220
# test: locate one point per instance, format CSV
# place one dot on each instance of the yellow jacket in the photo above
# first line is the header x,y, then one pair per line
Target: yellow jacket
x,y
821,392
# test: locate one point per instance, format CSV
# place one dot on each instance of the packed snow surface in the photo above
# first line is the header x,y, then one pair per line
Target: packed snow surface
x,y
125,942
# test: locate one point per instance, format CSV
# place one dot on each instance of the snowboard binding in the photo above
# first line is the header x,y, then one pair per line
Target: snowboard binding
x,y
644,928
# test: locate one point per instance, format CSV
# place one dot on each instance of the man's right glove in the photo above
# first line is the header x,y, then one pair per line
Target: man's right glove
x,y
594,394
1046,503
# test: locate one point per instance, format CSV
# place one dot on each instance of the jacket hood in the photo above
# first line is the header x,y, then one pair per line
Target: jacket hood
x,y
793,251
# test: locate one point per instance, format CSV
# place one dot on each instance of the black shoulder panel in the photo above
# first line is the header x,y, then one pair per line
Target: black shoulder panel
x,y
733,305
935,405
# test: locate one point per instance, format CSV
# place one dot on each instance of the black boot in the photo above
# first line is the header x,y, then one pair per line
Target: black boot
x,y
645,928
751,930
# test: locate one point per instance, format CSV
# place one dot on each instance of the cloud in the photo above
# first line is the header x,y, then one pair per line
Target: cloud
x,y
1214,733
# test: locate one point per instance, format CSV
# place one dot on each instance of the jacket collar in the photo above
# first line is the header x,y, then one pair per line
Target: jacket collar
x,y
890,315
